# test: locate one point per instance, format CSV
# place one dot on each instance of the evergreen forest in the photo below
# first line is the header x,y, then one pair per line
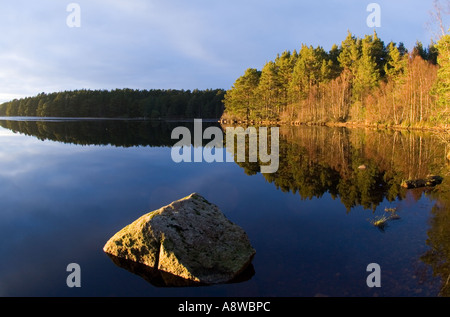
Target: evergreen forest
x,y
120,103
362,80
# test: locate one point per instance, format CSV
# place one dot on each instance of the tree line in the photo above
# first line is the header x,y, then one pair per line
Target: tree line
x,y
120,103
361,80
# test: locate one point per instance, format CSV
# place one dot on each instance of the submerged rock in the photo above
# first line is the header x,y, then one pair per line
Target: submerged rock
x,y
429,181
189,238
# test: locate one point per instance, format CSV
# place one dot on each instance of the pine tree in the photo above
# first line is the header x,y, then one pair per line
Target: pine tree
x,y
284,65
442,86
395,69
395,64
309,71
379,51
333,55
367,75
350,53
268,92
241,99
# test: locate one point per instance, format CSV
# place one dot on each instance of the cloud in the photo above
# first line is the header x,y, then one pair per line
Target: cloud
x,y
175,43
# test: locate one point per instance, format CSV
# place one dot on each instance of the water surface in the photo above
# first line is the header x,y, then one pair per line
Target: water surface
x,y
69,185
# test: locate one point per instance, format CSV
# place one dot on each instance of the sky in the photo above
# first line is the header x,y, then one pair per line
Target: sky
x,y
178,44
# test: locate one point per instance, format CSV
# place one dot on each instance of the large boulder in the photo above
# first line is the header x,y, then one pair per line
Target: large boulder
x,y
189,238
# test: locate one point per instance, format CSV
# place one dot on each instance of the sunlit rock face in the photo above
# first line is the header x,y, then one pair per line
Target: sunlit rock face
x,y
190,238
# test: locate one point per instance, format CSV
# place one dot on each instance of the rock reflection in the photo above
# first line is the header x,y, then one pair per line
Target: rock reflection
x,y
163,279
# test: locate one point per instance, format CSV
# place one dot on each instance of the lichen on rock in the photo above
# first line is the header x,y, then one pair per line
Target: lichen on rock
x,y
190,238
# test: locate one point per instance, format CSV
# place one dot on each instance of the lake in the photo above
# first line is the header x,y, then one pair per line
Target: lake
x,y
69,185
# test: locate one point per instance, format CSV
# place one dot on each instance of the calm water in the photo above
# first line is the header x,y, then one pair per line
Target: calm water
x,y
68,186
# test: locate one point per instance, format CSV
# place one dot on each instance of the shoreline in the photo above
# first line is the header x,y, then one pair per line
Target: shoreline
x,y
379,126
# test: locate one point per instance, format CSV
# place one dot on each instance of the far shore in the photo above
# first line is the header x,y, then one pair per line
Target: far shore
x,y
437,128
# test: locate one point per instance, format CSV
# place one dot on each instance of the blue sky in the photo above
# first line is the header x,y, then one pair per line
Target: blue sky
x,y
179,44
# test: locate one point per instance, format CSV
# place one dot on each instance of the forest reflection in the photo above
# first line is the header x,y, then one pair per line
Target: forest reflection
x,y
118,133
359,167
438,256
362,167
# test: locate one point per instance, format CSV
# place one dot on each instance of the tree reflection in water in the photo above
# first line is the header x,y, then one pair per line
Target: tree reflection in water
x,y
360,167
